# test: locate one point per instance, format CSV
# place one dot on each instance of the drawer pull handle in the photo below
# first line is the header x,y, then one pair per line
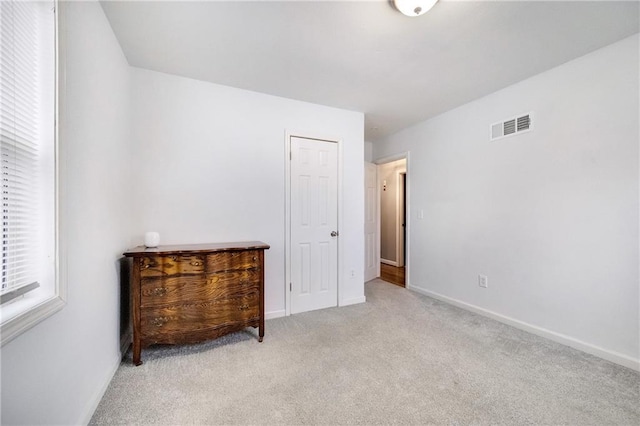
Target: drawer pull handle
x,y
145,266
174,257
243,307
196,263
255,258
159,322
160,291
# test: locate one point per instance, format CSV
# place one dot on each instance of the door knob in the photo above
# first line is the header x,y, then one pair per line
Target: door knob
x,y
334,233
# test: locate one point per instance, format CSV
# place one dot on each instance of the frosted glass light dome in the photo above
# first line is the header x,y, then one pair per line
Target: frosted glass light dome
x,y
414,7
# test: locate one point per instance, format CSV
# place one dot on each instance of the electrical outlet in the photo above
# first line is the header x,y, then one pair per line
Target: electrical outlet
x,y
483,281
353,273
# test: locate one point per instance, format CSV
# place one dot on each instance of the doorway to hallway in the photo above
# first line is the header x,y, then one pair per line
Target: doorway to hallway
x,y
392,177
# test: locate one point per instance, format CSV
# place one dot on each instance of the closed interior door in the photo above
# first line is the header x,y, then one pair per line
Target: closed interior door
x,y
371,262
314,224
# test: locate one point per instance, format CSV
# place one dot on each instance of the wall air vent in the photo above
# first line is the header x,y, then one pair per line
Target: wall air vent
x,y
512,126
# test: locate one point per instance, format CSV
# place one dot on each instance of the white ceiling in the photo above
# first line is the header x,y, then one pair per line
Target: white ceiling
x,y
364,55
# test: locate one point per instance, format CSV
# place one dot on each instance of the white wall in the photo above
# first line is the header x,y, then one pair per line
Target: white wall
x,y
550,216
210,167
55,372
368,151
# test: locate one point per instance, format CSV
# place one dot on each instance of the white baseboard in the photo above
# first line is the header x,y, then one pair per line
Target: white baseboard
x,y
389,262
97,396
612,356
370,277
354,301
275,314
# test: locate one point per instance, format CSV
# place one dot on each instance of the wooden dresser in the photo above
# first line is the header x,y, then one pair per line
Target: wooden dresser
x,y
191,293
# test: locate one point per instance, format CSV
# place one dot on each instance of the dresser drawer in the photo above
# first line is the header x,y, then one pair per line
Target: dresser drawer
x,y
159,266
171,290
159,291
230,260
227,284
159,322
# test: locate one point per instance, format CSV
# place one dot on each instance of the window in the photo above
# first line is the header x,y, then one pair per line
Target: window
x,y
28,284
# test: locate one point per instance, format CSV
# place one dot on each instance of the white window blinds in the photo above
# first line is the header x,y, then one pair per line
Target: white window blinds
x,y
26,85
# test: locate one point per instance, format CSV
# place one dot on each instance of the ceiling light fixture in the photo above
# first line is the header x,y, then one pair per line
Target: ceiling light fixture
x,y
414,7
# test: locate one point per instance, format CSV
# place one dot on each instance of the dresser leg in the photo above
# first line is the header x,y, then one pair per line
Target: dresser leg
x,y
261,332
136,353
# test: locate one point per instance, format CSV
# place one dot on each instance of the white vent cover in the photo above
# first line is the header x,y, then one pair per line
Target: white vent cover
x,y
512,126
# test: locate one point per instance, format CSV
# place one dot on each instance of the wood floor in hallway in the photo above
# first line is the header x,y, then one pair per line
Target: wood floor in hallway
x,y
392,274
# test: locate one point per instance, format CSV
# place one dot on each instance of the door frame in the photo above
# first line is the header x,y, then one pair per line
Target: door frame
x,y
287,210
388,159
401,229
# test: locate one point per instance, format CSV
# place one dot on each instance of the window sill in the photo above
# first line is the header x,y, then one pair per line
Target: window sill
x,y
22,322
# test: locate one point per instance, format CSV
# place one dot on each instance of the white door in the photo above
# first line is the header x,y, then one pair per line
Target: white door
x,y
314,224
371,263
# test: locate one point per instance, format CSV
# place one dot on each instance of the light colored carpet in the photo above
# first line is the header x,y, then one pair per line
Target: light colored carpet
x,y
400,358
